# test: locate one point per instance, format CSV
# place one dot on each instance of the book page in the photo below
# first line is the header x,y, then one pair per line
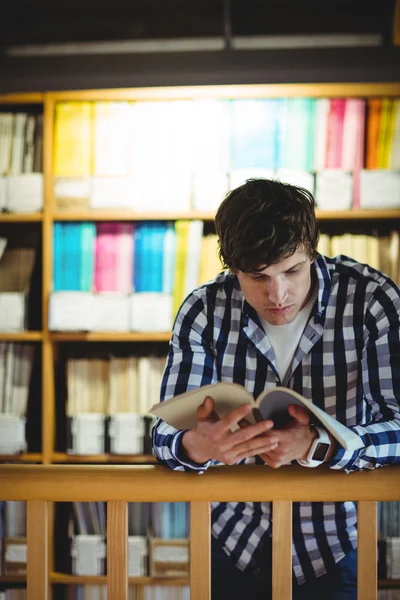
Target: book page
x,y
180,411
273,405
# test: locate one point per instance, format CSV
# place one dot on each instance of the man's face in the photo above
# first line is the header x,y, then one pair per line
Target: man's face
x,y
281,290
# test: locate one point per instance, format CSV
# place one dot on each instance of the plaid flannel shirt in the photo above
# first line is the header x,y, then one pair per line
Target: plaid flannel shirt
x,y
347,362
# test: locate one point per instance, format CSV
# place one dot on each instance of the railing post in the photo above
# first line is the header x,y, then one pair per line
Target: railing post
x,y
200,551
117,550
282,550
367,551
38,550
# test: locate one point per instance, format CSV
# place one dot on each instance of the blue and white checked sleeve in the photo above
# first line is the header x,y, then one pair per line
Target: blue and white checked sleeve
x,y
380,365
190,364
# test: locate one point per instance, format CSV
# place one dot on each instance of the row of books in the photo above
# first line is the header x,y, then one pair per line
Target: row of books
x,y
21,143
118,138
126,257
390,594
114,385
389,519
389,558
199,149
164,520
334,189
380,252
121,433
14,594
16,268
159,538
16,361
12,538
21,193
147,592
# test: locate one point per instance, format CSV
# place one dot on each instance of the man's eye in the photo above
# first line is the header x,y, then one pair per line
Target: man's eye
x,y
257,277
292,272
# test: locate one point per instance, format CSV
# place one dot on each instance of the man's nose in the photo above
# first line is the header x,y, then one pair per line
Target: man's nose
x,y
277,291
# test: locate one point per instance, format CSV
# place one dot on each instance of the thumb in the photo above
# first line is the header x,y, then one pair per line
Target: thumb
x,y
299,414
205,411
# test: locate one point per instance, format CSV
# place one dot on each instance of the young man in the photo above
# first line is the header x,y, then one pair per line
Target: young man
x,y
285,315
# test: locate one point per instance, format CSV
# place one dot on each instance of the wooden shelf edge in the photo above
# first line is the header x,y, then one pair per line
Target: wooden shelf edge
x,y
21,217
102,579
361,214
21,336
94,336
388,583
12,578
134,459
22,98
115,215
33,457
274,90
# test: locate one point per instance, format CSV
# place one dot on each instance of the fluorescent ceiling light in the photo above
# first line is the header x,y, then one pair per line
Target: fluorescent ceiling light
x,y
120,47
264,42
319,40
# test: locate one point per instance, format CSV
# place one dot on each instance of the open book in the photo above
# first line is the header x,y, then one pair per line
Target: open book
x,y
180,411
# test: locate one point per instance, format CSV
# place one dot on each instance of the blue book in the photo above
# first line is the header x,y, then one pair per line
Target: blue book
x,y
137,259
87,250
169,254
57,256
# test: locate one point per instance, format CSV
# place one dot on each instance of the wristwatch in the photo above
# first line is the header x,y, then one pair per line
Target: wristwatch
x,y
319,449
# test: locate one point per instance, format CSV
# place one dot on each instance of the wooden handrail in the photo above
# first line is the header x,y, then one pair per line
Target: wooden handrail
x,y
154,484
39,485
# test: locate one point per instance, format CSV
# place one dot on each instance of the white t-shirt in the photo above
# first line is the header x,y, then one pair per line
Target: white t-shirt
x,y
284,339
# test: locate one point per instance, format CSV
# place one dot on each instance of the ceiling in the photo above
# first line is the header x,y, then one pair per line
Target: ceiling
x,y
46,21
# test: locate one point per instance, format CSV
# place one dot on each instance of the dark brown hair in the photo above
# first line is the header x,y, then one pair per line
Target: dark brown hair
x,y
263,222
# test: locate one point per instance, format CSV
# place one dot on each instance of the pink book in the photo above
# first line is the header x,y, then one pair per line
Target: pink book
x,y
359,154
105,260
335,133
125,258
339,124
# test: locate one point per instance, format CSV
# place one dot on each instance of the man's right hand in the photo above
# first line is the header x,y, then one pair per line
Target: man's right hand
x,y
212,438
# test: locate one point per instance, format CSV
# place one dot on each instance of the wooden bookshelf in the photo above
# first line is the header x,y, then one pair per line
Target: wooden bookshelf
x,y
31,457
241,91
389,583
50,340
12,579
134,459
118,215
126,215
23,336
21,217
23,98
107,336
102,579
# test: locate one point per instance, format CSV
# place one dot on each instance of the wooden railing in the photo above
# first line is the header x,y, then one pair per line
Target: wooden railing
x,y
118,485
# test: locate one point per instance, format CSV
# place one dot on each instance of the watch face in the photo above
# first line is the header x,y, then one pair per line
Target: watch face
x,y
321,451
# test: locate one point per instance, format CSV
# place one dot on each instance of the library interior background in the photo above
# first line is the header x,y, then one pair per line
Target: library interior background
x,y
123,126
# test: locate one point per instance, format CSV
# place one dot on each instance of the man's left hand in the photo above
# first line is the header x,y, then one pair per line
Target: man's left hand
x,y
294,440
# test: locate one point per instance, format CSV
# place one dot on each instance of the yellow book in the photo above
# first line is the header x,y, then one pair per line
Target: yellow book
x,y
324,244
341,244
210,264
73,139
182,241
359,248
373,251
382,136
390,133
